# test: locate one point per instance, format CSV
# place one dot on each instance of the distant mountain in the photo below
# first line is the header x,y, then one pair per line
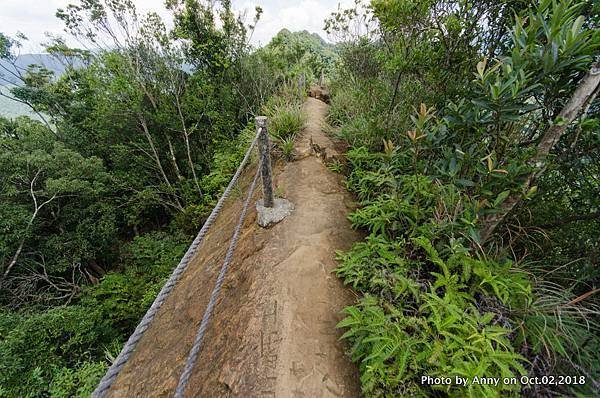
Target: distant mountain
x,y
306,36
11,109
23,61
302,52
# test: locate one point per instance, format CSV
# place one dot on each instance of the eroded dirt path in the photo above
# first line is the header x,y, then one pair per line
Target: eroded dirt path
x,y
273,331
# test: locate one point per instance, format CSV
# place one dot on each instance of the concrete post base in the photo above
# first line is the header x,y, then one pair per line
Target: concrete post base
x,y
272,215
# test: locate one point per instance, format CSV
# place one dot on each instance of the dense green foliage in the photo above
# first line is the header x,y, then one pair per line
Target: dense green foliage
x,y
444,113
132,145
63,351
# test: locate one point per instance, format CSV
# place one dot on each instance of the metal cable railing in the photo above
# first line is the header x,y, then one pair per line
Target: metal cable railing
x,y
193,354
128,349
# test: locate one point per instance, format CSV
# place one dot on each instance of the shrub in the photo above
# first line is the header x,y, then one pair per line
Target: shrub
x,y
61,352
79,382
287,146
40,346
442,294
285,121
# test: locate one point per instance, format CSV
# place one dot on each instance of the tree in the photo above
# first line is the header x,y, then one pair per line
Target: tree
x,y
53,224
579,102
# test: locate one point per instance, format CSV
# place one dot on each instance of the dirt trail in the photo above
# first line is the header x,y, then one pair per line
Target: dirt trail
x,y
273,331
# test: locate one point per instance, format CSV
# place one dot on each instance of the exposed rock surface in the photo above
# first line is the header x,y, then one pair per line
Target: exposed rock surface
x,y
320,93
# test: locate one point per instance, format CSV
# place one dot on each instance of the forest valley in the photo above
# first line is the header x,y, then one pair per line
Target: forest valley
x,y
473,134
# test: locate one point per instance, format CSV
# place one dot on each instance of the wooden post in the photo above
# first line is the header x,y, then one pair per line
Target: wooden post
x,y
322,79
265,156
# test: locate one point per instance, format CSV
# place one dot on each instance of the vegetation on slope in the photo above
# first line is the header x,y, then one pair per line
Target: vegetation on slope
x,y
99,200
481,258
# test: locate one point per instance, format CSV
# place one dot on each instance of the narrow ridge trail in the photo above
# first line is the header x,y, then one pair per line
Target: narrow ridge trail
x,y
273,330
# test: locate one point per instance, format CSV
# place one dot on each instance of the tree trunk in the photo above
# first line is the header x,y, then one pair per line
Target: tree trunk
x,y
583,95
174,160
157,158
14,259
36,210
186,138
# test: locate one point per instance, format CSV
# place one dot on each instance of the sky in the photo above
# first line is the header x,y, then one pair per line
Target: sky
x,y
36,17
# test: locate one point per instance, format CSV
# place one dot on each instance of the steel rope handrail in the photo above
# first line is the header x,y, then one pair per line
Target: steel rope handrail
x,y
195,350
129,347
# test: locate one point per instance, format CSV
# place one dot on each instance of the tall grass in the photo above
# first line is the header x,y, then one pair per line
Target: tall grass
x,y
286,121
285,118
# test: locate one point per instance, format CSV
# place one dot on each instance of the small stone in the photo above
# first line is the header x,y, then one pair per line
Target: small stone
x,y
272,215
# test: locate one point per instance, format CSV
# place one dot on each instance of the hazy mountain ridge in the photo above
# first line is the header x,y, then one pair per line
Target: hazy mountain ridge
x,y
22,62
10,108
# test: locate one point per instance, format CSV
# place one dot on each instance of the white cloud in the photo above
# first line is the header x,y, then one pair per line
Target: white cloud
x,y
293,15
36,17
32,18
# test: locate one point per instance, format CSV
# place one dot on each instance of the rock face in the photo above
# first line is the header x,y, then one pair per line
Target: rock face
x,y
267,216
320,93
